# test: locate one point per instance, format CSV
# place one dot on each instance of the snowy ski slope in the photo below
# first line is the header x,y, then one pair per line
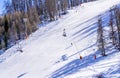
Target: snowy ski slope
x,y
44,49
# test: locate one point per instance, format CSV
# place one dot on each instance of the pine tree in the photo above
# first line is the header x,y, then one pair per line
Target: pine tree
x,y
64,6
116,12
112,32
6,27
101,42
1,37
51,9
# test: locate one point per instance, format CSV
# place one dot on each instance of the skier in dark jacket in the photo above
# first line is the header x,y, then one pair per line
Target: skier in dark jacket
x,y
64,33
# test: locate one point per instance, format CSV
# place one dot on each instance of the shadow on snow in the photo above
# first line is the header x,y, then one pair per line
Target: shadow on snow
x,y
77,64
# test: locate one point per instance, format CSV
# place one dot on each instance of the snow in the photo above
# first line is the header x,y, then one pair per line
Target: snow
x,y
43,50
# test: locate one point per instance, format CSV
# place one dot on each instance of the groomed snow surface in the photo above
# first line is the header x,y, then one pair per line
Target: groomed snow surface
x,y
48,54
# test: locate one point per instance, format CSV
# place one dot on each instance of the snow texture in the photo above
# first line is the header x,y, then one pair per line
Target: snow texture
x,y
48,54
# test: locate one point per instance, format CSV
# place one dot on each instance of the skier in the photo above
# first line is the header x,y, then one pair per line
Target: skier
x,y
64,33
95,56
80,57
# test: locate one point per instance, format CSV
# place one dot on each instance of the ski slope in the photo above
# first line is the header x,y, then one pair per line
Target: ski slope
x,y
43,50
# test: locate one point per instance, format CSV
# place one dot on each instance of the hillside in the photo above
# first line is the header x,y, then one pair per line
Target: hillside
x,y
44,49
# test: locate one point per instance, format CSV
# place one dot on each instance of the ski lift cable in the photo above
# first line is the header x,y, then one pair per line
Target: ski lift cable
x,y
76,47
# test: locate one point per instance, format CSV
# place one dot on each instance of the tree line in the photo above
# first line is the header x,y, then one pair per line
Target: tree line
x,y
114,31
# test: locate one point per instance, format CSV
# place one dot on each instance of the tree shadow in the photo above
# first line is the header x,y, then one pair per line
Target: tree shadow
x,y
77,64
111,72
117,70
92,27
88,34
74,66
82,50
85,22
21,75
84,30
